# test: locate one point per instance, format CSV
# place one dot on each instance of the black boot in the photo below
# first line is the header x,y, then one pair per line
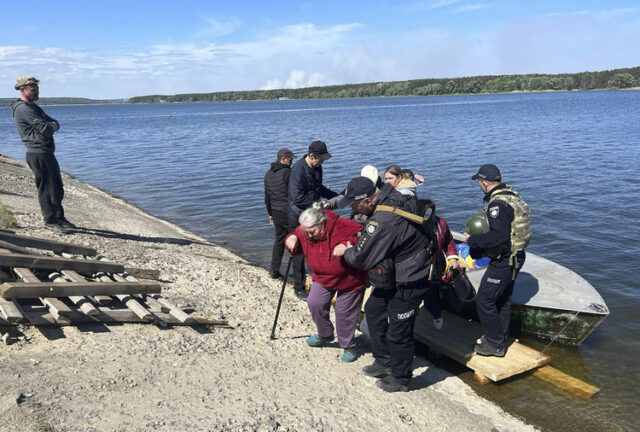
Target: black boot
x,y
390,384
376,370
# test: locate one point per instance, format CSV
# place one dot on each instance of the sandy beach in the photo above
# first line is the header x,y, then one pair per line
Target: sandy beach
x,y
138,378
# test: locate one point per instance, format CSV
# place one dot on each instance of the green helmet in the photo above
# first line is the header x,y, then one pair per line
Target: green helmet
x,y
477,224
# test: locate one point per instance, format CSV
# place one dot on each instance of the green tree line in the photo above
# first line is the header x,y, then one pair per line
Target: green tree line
x,y
609,79
5,102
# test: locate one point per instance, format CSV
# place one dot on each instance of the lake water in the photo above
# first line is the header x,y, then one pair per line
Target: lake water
x,y
574,157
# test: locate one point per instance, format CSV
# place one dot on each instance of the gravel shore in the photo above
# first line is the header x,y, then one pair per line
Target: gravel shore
x,y
135,378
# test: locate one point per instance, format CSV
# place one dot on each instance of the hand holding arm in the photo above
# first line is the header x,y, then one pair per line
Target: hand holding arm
x,y
340,249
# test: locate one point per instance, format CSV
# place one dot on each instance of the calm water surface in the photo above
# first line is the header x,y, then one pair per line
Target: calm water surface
x,y
574,157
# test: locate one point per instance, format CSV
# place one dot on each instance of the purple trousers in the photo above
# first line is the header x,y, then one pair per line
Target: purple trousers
x,y
347,310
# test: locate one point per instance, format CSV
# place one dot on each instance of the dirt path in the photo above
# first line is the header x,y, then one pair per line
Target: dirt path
x,y
142,378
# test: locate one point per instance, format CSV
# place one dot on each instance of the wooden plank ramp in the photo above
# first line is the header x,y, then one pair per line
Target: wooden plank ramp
x,y
456,339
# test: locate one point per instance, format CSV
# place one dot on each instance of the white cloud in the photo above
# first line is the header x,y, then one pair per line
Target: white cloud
x,y
427,5
305,55
296,79
602,14
219,28
272,85
470,7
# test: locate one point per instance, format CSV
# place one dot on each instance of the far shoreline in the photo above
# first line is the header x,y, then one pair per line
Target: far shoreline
x,y
335,98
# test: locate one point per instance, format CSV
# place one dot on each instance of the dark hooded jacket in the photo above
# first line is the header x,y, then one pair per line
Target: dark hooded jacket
x,y
33,126
276,188
305,188
332,272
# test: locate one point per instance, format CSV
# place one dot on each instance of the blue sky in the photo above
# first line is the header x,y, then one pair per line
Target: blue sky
x,y
119,49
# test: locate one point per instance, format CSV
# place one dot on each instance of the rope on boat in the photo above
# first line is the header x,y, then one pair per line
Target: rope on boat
x,y
558,334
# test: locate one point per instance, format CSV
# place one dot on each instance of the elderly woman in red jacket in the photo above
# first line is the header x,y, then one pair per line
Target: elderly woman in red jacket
x,y
317,235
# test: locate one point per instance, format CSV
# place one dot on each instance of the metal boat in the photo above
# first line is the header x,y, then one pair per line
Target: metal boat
x,y
550,301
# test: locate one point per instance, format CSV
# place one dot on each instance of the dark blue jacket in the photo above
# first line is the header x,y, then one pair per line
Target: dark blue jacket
x,y
496,241
388,235
305,188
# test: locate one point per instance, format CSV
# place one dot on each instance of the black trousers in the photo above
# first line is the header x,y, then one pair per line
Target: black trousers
x,y
391,317
49,183
493,302
297,262
281,225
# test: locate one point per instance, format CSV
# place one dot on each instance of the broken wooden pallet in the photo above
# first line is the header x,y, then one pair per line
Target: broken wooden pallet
x,y
67,297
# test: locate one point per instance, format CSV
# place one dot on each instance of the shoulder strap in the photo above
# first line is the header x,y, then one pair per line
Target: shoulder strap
x,y
403,213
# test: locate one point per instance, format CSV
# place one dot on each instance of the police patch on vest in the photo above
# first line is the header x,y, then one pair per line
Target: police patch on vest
x,y
371,228
494,211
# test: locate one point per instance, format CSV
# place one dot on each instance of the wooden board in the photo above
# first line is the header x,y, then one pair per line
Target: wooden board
x,y
55,263
143,273
7,246
57,308
10,312
39,316
82,302
39,243
566,382
456,340
11,290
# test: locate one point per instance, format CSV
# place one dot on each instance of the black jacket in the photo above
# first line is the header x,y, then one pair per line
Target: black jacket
x,y
496,241
388,235
305,188
33,126
276,187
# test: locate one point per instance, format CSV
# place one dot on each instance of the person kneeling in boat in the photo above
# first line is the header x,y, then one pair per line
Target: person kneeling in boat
x,y
316,237
509,233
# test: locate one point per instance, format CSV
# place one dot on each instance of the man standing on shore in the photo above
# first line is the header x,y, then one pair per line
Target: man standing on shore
x,y
36,131
276,195
305,188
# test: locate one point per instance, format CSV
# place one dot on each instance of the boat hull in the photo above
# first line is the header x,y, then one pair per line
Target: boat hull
x,y
561,326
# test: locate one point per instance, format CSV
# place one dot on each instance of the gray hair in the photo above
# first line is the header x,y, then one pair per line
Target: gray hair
x,y
313,216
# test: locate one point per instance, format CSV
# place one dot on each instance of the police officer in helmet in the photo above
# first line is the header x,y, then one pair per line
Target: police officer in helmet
x,y
393,250
509,232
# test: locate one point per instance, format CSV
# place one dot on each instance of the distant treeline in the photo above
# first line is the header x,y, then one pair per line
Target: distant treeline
x,y
613,79
5,102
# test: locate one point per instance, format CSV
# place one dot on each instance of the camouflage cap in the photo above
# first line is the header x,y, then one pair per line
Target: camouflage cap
x,y
26,80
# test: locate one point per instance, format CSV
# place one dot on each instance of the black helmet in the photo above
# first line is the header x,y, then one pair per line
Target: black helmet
x,y
477,224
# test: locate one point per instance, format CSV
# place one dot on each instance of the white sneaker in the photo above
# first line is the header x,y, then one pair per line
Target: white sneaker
x,y
437,323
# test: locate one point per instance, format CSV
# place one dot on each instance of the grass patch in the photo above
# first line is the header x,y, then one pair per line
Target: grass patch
x,y
41,427
7,219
